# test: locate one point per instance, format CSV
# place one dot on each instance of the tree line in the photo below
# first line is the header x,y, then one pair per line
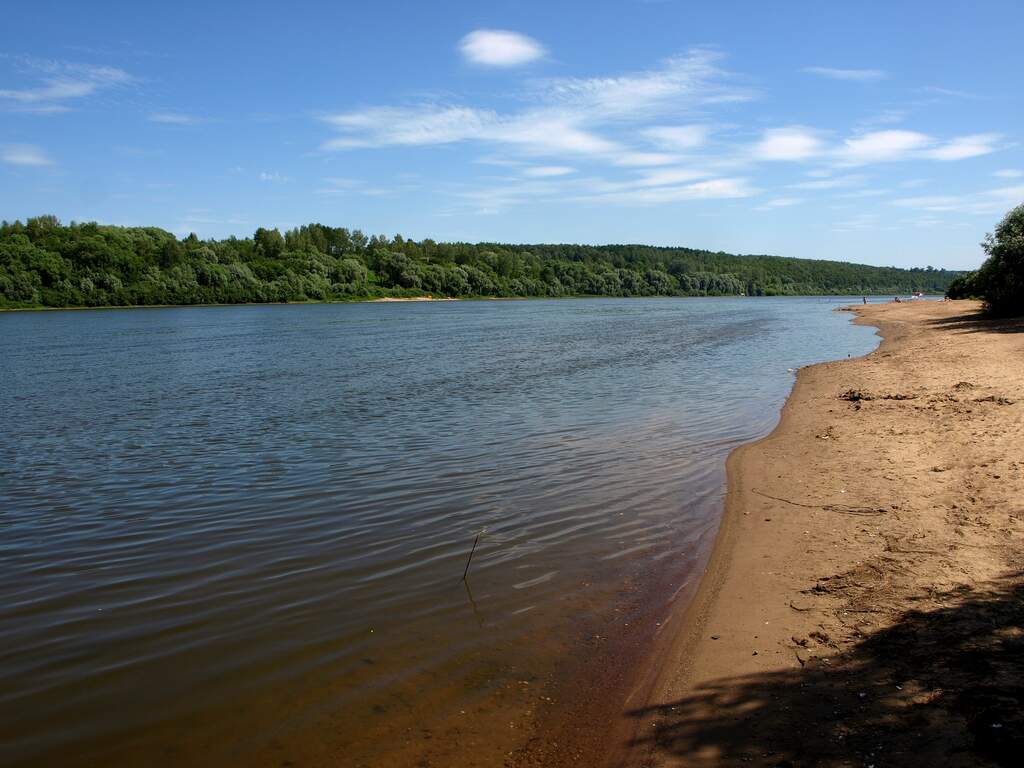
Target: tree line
x,y
999,282
44,263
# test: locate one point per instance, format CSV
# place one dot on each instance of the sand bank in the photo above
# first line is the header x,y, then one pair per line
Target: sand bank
x,y
391,299
864,604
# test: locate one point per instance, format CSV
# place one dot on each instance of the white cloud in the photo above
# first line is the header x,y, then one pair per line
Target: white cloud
x,y
991,201
273,176
882,146
965,146
897,145
669,176
780,202
711,189
24,154
677,137
500,48
640,159
793,143
541,132
884,117
564,116
547,133
382,126
858,223
173,118
948,92
931,202
858,75
1009,173
836,182
681,82
548,171
863,193
926,220
59,82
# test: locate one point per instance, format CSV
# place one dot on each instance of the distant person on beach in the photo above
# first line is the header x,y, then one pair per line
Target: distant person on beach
x,y
865,299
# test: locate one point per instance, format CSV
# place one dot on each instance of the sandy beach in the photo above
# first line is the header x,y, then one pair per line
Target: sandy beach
x,y
863,604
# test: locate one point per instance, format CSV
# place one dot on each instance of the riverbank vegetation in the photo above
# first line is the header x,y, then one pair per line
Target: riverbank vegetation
x,y
44,263
999,282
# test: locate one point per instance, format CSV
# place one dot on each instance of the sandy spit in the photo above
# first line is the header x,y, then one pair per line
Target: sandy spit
x,y
864,604
391,299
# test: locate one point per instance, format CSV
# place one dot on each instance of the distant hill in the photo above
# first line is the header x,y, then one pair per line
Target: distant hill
x,y
45,263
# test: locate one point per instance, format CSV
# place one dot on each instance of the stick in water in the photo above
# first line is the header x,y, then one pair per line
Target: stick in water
x,y
465,573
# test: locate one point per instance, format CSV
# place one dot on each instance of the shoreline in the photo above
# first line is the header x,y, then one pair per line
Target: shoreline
x,y
839,528
406,299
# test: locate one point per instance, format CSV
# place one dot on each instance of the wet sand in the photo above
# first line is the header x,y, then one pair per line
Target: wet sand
x,y
864,604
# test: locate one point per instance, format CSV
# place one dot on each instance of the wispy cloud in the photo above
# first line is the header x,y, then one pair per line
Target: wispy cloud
x,y
857,75
24,154
710,189
547,171
170,117
991,201
897,145
952,92
500,48
273,176
337,186
925,220
792,143
566,114
59,82
681,83
858,223
540,132
677,137
837,182
640,159
653,132
779,202
965,146
882,146
1009,173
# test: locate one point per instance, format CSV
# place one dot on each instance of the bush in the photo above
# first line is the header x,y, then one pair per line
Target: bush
x,y
963,287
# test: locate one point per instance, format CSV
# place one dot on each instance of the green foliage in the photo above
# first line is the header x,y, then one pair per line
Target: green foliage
x,y
43,263
964,287
1000,281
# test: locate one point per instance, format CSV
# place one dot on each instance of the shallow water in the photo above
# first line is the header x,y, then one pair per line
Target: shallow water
x,y
238,533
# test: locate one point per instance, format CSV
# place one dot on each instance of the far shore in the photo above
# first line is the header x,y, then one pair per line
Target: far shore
x,y
405,299
864,601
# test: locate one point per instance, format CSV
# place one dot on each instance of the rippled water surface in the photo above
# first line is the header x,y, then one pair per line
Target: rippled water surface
x,y
237,534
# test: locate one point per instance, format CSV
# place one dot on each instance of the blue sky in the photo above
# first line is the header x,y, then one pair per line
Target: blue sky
x,y
886,133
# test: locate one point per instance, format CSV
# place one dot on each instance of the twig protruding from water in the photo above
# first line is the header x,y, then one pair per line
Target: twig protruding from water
x,y
465,573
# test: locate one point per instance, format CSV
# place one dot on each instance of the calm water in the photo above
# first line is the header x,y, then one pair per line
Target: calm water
x,y
237,534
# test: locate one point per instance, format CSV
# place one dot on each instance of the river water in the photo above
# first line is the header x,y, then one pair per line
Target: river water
x,y
237,535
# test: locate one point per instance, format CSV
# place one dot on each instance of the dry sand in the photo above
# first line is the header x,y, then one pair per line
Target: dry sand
x,y
864,604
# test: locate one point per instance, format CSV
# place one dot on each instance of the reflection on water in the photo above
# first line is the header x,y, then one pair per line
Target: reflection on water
x,y
239,533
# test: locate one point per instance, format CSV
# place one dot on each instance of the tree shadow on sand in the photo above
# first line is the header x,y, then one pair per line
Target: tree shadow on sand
x,y
978,322
939,687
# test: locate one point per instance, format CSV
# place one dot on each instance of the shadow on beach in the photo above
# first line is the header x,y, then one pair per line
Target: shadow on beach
x,y
939,687
978,322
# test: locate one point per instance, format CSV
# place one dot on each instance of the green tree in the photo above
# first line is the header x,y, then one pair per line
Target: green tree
x,y
1000,281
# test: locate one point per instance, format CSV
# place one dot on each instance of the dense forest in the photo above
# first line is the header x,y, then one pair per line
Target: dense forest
x,y
45,263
